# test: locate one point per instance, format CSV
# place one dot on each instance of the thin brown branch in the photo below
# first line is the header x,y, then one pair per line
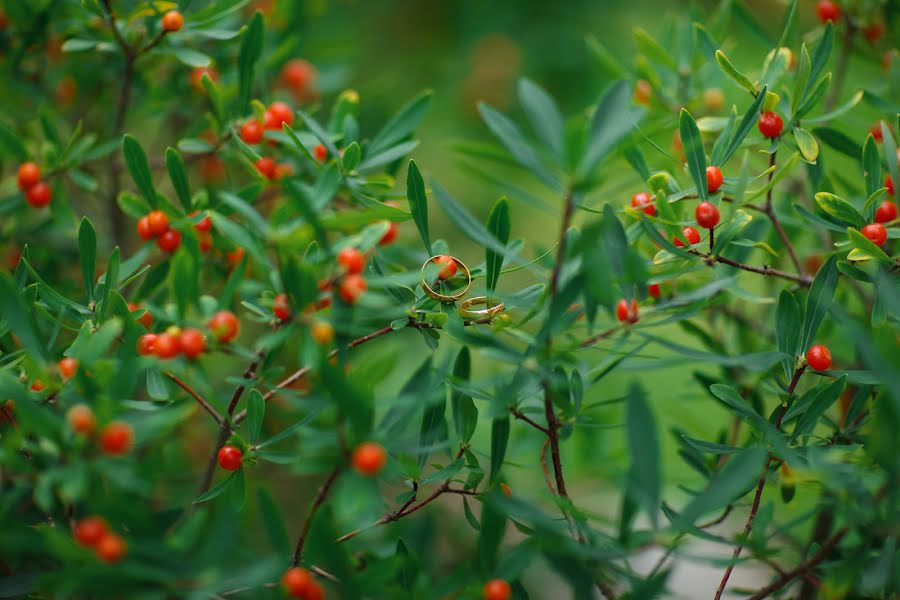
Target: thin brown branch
x,y
785,240
203,403
523,417
803,567
321,496
600,336
805,280
546,468
249,374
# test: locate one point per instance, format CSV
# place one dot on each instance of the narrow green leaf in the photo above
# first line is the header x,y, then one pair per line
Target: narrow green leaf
x,y
644,478
819,59
817,407
803,70
251,50
839,141
614,118
256,411
718,151
710,447
465,414
807,144
499,225
87,252
817,93
499,440
183,277
512,139
12,142
111,277
647,44
748,122
788,321
179,177
839,208
733,481
866,246
20,318
543,114
818,302
736,76
418,203
434,427
218,489
273,522
693,151
402,125
890,155
139,168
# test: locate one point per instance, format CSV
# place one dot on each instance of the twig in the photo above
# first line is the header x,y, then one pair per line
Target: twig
x,y
770,212
523,417
599,337
805,280
545,467
203,403
320,499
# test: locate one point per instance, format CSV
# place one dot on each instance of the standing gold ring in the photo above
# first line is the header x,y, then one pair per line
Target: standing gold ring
x,y
447,297
490,310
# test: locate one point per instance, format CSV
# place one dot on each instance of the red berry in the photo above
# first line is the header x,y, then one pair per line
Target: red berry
x,y
67,367
146,319
889,182
828,11
37,385
158,221
315,591
224,326
298,74
876,132
89,531
643,91
192,342
873,32
690,234
714,179
770,124
229,458
644,201
167,346
390,235
282,307
172,21
707,215
351,288
352,260
197,77
369,458
169,241
267,167
876,233
116,438
147,344
81,419
448,266
143,228
29,175
320,152
819,358
252,132
624,312
204,240
204,224
39,195
296,582
235,256
111,548
886,212
283,170
654,290
278,113
497,589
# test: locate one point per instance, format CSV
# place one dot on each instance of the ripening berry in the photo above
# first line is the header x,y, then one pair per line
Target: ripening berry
x,y
714,179
167,345
39,195
643,91
298,74
644,201
204,224
235,256
169,240
828,11
282,307
116,438
158,221
390,235
889,182
886,212
507,491
320,152
315,591
690,234
197,77
369,458
224,326
497,589
876,132
707,215
29,175
111,548
278,113
192,342
143,228
818,358
713,99
172,21
146,319
267,167
654,290
770,124
37,385
873,32
67,367
351,288
876,233
626,313
447,266
205,241
252,132
81,419
229,458
89,531
322,333
147,344
283,170
352,260
296,582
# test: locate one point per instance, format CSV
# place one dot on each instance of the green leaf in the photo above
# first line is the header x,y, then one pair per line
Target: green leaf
x,y
818,302
733,481
499,440
470,516
402,125
839,141
748,122
418,203
644,478
543,114
465,414
251,50
839,208
178,175
802,78
272,521
156,385
300,282
693,151
256,411
615,116
87,252
819,59
871,163
237,493
817,93
445,473
817,407
498,224
866,246
12,142
648,45
183,277
111,277
718,151
190,57
890,154
218,489
434,426
736,76
788,320
350,160
512,139
136,161
20,318
710,447
807,144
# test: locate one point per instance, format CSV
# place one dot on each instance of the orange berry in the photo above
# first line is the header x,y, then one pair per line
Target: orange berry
x,y
147,344
296,582
172,21
497,589
643,91
298,74
146,319
229,458
390,235
352,260
158,222
224,326
39,195
278,113
167,346
351,288
89,531
116,438
29,175
448,266
143,228
111,548
169,241
67,367
192,342
37,385
81,419
252,132
369,458
320,152
322,333
282,307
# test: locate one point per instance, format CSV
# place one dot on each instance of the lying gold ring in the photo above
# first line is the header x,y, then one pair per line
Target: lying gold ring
x,y
447,297
490,311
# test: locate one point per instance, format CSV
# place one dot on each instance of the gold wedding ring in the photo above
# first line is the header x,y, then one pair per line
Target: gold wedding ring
x,y
447,297
465,309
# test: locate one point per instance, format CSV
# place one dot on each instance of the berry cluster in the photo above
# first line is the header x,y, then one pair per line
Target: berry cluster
x,y
93,532
190,342
115,439
299,583
38,193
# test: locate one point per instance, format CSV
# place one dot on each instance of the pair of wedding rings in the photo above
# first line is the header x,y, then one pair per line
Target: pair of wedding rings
x,y
467,309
